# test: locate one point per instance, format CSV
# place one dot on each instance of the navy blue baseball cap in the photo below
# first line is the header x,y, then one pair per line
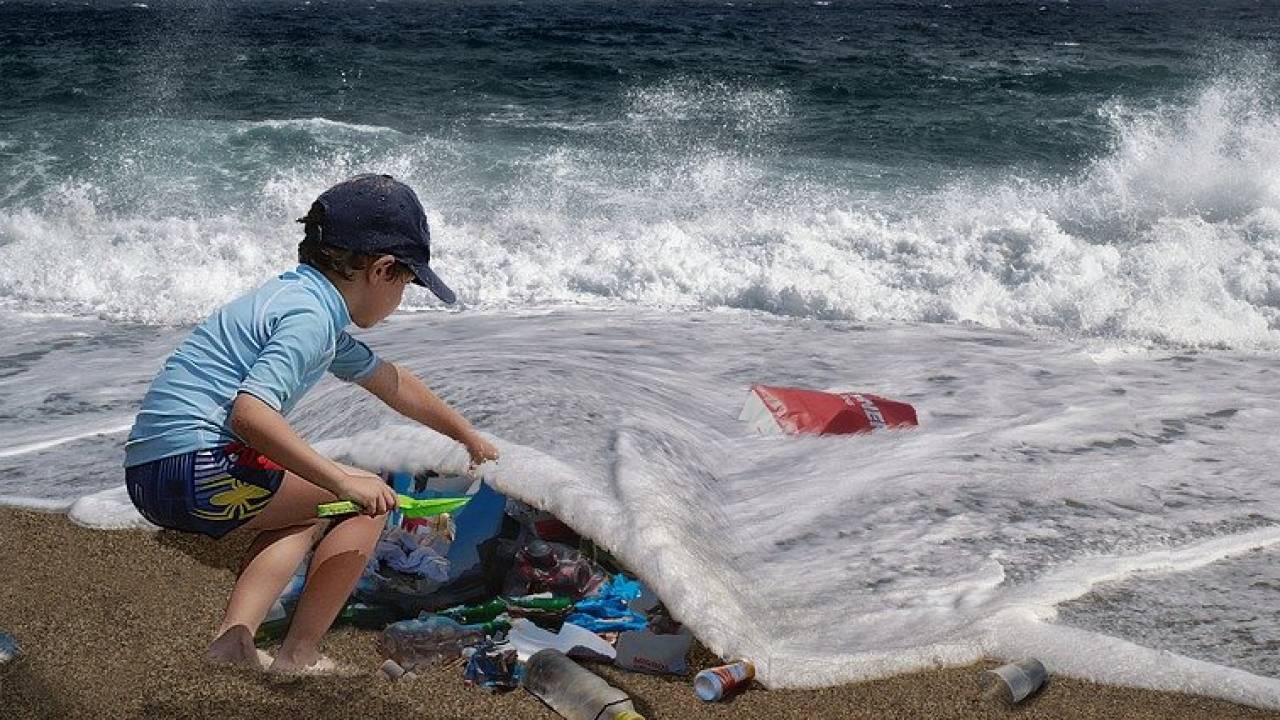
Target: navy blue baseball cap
x,y
377,214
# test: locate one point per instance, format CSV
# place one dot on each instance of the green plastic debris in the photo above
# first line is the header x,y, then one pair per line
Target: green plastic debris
x,y
473,614
408,506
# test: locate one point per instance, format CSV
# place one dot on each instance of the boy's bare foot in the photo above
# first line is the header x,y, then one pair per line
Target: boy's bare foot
x,y
316,664
235,647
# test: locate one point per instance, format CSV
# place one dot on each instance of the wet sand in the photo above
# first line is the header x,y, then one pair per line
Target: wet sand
x,y
113,625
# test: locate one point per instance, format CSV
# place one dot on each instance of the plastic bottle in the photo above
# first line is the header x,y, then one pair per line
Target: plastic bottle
x,y
714,683
467,614
428,640
541,554
573,691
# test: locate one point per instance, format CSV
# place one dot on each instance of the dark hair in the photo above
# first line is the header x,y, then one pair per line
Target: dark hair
x,y
330,258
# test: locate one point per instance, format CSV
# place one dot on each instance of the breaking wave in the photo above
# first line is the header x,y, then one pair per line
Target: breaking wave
x,y
1172,235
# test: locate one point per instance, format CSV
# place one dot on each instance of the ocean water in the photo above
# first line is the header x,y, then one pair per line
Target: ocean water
x,y
1053,227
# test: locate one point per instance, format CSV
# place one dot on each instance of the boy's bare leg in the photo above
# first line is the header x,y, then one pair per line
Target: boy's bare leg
x,y
286,528
269,565
338,562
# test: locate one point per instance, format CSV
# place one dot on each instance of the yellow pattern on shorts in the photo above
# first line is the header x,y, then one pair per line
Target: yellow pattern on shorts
x,y
238,500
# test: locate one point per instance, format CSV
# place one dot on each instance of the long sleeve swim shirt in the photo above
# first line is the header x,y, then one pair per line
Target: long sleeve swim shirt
x,y
275,343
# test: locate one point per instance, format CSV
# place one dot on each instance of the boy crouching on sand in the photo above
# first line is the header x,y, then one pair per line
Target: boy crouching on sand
x,y
211,451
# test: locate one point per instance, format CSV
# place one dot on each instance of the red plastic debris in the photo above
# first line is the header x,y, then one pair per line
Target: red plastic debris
x,y
774,410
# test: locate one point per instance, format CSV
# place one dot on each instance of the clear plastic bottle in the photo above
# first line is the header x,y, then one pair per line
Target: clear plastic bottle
x,y
428,640
573,691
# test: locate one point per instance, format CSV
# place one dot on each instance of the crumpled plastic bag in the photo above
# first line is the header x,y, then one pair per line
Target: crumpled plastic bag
x,y
609,610
406,553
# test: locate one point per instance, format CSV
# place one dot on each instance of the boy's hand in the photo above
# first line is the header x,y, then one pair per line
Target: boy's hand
x,y
373,495
480,450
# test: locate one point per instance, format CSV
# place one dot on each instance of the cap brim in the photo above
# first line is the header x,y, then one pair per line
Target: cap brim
x,y
427,278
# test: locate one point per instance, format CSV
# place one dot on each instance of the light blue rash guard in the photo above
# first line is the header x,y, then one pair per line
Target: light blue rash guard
x,y
274,343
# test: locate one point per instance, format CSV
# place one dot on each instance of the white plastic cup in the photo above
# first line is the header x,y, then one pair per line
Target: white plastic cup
x,y
1012,683
715,683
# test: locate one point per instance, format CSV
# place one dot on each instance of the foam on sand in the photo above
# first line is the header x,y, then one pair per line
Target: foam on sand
x,y
109,509
661,546
658,539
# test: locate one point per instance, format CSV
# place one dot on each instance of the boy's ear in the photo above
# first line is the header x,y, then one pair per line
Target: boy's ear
x,y
384,268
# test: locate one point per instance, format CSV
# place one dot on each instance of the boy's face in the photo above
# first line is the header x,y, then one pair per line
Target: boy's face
x,y
384,282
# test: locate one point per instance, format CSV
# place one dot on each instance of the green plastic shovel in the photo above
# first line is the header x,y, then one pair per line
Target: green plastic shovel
x,y
408,506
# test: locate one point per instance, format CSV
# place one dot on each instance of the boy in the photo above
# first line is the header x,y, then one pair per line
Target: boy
x,y
197,457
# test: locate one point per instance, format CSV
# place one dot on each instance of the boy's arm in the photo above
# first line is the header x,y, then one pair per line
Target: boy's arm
x,y
407,395
265,430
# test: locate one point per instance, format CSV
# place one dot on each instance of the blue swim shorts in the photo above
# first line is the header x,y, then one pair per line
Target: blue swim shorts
x,y
212,491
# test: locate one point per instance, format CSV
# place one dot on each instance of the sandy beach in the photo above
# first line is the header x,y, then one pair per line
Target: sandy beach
x,y
112,624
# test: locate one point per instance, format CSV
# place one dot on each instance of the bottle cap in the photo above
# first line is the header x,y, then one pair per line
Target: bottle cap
x,y
540,553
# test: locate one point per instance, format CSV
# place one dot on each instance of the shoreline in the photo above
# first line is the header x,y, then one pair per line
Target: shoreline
x,y
113,624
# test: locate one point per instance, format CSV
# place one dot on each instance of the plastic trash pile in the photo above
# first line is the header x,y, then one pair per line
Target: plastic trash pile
x,y
509,595
513,596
